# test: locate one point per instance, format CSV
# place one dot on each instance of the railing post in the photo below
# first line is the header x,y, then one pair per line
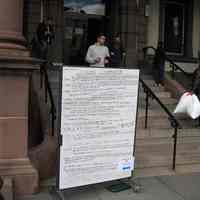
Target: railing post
x,y
52,122
173,70
144,52
175,146
41,77
46,89
146,109
1,183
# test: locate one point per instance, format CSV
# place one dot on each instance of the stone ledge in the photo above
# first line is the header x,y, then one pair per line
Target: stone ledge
x,y
19,62
7,190
24,175
44,157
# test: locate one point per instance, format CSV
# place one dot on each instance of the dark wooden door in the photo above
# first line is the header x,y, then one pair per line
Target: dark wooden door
x,y
173,24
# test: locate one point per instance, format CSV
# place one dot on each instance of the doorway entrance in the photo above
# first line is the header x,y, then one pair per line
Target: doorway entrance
x,y
84,20
175,26
80,32
95,26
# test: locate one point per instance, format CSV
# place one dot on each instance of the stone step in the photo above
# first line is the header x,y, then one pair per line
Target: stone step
x,y
151,113
166,170
162,148
163,122
153,88
153,133
154,123
159,146
149,81
188,123
154,160
166,133
153,103
158,114
164,94
157,111
154,146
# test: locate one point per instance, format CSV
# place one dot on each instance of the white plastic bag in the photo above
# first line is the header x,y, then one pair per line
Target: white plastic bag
x,y
184,101
189,104
194,109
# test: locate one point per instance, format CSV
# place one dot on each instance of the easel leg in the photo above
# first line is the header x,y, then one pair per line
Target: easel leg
x,y
135,185
57,193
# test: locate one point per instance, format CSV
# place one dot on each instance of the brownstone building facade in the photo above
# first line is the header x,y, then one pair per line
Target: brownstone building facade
x,y
139,22
124,17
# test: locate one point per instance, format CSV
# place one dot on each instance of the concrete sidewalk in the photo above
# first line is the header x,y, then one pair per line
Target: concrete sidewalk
x,y
183,187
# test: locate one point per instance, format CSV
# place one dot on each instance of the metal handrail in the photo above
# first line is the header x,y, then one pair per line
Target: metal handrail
x,y
48,92
174,122
174,67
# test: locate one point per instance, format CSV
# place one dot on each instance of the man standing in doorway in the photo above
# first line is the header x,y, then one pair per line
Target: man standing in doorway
x,y
159,64
98,54
117,54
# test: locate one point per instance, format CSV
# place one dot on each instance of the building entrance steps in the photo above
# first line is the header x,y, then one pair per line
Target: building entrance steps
x,y
154,145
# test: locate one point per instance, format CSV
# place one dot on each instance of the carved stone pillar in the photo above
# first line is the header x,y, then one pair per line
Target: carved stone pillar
x,y
15,70
133,25
12,42
127,9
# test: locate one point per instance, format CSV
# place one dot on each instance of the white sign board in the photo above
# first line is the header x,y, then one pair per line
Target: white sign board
x,y
98,119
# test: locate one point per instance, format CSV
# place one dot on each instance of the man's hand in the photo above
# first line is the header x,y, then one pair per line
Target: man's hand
x,y
98,60
106,60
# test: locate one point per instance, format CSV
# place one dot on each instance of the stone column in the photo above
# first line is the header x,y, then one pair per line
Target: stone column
x,y
12,42
196,29
153,23
128,30
15,70
133,29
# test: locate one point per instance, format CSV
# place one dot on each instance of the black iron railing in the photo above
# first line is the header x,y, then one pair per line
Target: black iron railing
x,y
173,121
173,66
48,93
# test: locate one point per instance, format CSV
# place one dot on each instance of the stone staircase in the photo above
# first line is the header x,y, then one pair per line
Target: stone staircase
x,y
154,145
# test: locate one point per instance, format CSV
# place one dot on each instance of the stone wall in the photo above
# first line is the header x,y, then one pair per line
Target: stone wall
x,y
133,24
153,23
196,28
127,17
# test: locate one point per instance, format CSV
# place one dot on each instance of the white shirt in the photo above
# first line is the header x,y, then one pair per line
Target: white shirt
x,y
97,51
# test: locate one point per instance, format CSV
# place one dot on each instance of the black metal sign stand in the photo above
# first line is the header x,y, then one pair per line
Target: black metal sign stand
x,y
58,194
124,184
